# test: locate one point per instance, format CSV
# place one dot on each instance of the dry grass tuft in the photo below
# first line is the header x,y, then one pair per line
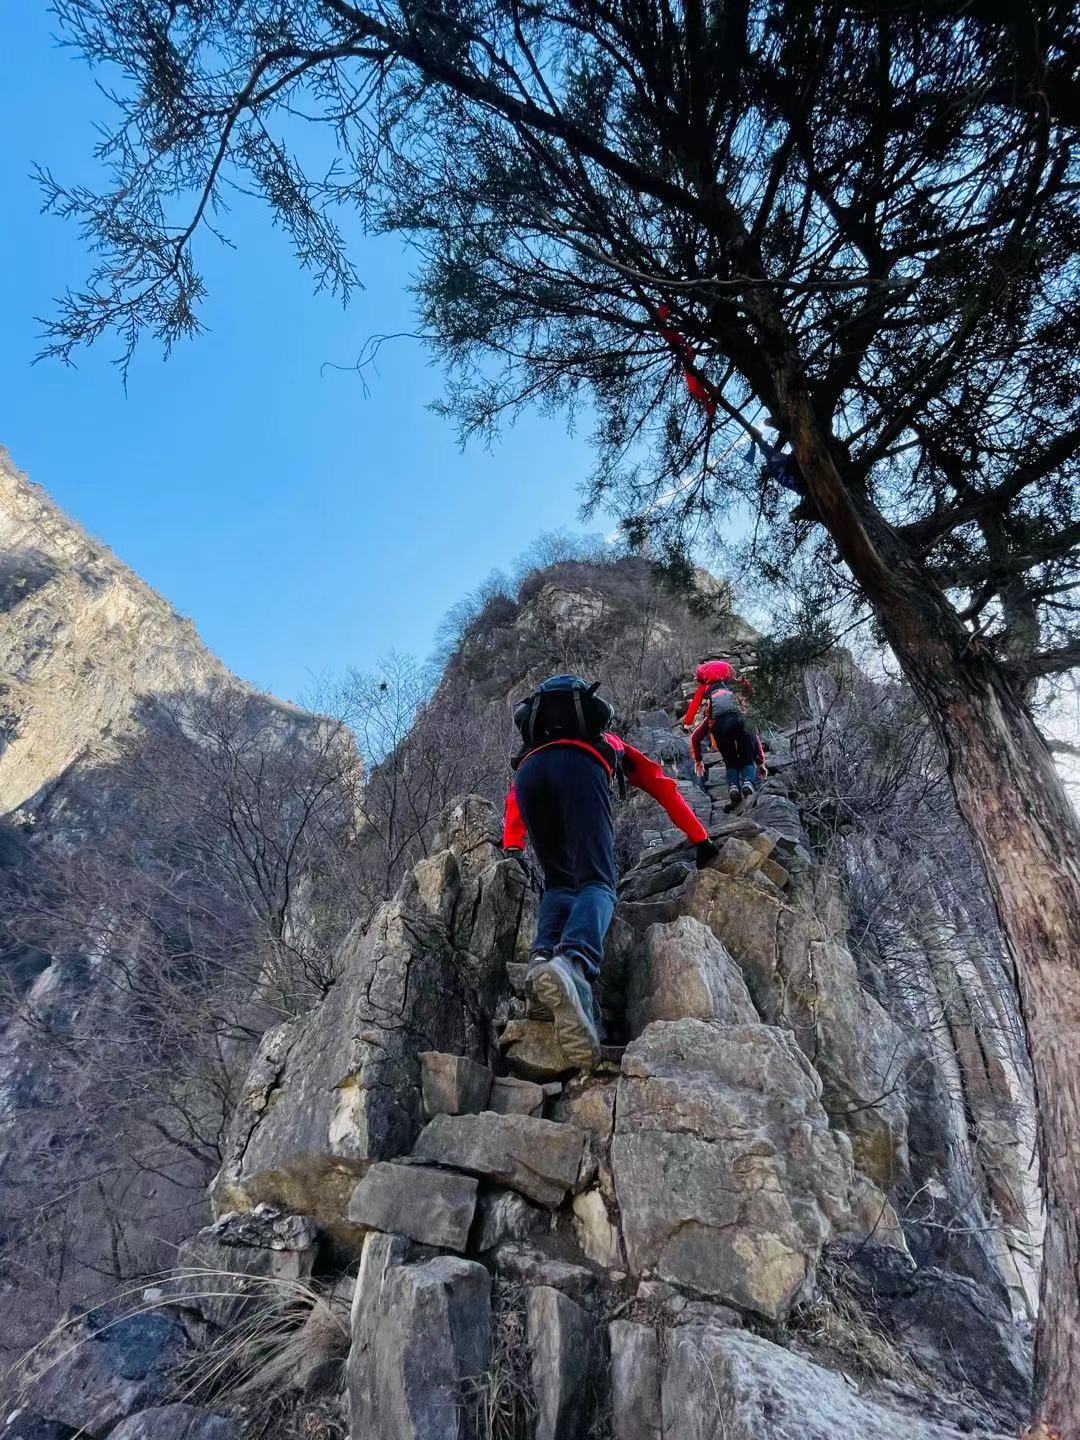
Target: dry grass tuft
x,y
837,1322
501,1399
292,1336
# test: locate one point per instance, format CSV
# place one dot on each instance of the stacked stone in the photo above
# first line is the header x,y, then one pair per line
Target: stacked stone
x,y
639,1220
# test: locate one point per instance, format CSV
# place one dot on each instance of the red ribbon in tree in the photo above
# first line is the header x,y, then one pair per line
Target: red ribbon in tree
x,y
700,389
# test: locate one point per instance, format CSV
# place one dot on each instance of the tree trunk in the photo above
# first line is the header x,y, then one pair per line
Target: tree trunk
x,y
1027,834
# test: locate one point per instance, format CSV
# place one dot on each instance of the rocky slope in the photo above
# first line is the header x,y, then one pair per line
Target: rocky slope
x,y
697,1238
793,1200
88,653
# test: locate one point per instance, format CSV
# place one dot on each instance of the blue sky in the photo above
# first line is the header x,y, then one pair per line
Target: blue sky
x,y
302,526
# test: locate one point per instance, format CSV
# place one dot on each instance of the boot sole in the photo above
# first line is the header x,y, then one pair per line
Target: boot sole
x,y
575,1042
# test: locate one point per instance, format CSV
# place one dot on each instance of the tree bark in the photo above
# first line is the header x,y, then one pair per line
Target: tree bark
x,y
1027,834
1028,837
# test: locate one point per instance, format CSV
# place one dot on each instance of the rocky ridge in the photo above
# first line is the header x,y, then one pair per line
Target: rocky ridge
x,y
700,1237
788,1201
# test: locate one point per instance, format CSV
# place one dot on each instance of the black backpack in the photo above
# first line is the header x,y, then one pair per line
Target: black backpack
x,y
720,702
562,708
567,708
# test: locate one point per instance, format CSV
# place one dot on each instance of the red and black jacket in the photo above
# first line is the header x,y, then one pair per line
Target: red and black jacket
x,y
697,740
639,770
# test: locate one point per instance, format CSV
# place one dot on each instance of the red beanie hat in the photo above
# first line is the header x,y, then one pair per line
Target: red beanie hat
x,y
713,670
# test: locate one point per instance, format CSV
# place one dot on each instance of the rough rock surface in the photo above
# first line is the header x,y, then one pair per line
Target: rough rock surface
x,y
801,977
177,1422
537,1157
532,1051
728,1177
330,1093
453,1084
684,973
420,1333
225,1278
513,1096
505,1215
597,1233
264,1228
434,1207
726,1385
559,1333
105,1367
635,1381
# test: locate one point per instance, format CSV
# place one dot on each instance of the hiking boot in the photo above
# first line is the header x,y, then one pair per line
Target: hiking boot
x,y
535,1009
734,795
747,790
559,984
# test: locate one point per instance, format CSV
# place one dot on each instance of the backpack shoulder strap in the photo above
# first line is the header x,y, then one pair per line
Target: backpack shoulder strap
x,y
579,711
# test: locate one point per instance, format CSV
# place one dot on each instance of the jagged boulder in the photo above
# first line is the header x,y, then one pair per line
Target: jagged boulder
x,y
434,1207
104,1367
539,1158
421,1334
513,1096
803,978
453,1084
635,1381
330,1093
720,1384
532,1051
559,1334
683,972
229,1267
729,1180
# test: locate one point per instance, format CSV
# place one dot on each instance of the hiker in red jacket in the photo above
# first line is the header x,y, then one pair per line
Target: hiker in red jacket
x,y
725,726
711,673
560,801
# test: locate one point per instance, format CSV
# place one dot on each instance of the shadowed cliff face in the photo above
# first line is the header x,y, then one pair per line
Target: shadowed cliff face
x,y
97,675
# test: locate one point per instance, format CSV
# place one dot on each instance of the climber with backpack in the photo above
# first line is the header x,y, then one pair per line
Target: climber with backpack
x,y
709,674
560,800
724,724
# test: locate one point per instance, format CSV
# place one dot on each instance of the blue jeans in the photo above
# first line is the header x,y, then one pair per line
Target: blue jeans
x,y
740,775
574,922
565,800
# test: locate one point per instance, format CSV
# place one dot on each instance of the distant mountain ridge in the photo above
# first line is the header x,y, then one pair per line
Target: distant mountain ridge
x,y
83,641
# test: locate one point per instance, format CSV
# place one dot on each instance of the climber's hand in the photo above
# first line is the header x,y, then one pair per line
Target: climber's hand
x,y
707,851
699,769
763,772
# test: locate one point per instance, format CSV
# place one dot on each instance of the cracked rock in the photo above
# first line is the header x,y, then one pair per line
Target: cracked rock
x,y
539,1158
